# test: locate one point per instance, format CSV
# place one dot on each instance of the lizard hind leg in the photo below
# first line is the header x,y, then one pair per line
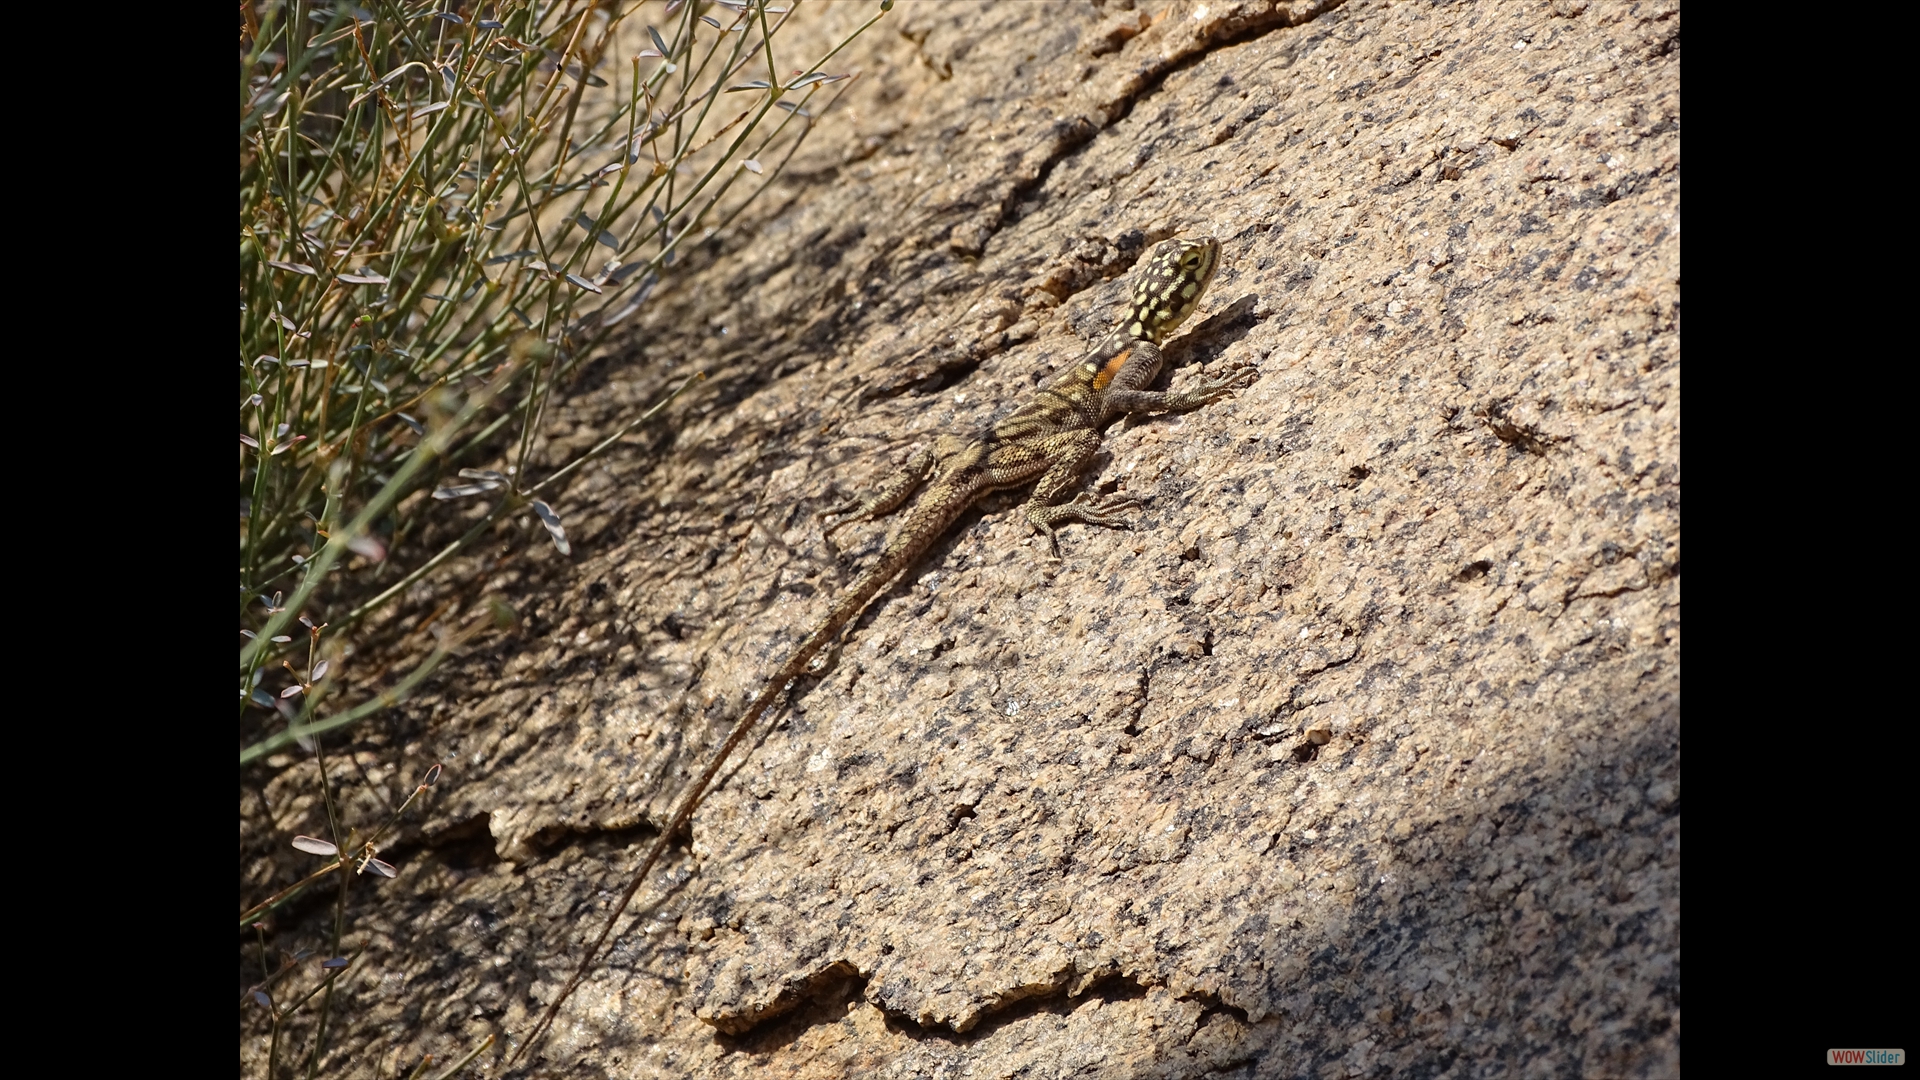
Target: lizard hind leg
x,y
1070,453
888,499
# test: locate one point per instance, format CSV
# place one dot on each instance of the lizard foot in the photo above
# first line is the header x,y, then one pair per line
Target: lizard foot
x,y
1212,390
854,516
845,506
1086,509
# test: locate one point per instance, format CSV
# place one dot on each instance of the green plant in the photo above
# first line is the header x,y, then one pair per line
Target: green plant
x,y
433,238
443,215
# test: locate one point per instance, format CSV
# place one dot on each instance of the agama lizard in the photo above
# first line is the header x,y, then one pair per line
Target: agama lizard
x,y
1050,439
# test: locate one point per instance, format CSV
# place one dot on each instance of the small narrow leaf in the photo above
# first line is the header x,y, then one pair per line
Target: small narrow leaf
x,y
552,521
587,223
583,283
313,845
381,868
618,275
429,110
333,963
461,491
298,268
511,255
364,276
320,670
296,688
432,777
369,547
418,427
751,166
639,298
658,41
757,84
455,20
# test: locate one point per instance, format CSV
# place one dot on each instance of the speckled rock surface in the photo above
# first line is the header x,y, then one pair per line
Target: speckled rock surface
x,y
1358,755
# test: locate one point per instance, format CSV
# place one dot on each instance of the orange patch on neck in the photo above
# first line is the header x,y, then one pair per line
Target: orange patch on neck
x,y
1113,367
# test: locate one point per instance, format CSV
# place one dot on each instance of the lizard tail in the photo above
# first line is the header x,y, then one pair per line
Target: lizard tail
x,y
928,520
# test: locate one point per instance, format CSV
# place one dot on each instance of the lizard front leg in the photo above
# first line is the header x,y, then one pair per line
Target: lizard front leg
x,y
1128,394
1070,451
1208,392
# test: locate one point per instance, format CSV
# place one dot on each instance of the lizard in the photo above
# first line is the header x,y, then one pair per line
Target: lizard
x,y
1047,442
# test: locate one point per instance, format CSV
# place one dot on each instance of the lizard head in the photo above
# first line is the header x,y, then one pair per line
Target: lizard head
x,y
1169,285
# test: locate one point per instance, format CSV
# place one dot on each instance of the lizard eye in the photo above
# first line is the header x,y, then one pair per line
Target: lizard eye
x,y
1191,262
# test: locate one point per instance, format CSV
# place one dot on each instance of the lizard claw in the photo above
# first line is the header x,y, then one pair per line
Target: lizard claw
x,y
1105,510
1085,508
1239,378
846,506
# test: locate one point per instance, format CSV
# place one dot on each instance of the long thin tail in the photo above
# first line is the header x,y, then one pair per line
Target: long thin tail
x,y
928,519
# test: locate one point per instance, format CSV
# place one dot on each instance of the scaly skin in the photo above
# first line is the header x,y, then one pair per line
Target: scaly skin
x,y
1046,442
